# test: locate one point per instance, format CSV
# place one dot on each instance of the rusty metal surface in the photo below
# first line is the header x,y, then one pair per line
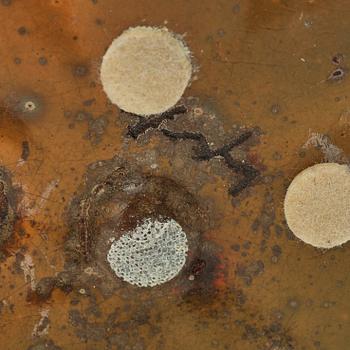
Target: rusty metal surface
x,y
274,69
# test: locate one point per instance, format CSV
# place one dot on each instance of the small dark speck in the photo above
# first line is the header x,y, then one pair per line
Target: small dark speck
x,y
25,150
88,103
221,32
236,8
6,2
235,247
94,1
75,37
99,21
277,156
81,115
247,244
17,60
278,230
275,109
255,225
338,59
277,251
289,234
317,344
80,71
43,61
22,31
339,284
302,153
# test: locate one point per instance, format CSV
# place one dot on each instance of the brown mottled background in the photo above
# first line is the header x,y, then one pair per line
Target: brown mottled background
x,y
264,64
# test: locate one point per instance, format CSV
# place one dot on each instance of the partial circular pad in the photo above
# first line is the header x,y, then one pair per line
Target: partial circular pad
x,y
317,205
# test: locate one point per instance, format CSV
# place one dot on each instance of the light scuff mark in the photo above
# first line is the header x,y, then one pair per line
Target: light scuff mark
x,y
28,268
42,327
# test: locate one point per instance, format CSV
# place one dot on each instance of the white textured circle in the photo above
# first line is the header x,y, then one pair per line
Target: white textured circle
x,y
317,205
146,70
152,254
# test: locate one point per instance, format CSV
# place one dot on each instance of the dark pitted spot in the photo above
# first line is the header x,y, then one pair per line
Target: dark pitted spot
x,y
236,247
337,74
248,272
17,60
221,32
338,59
246,245
89,102
198,267
83,116
6,2
42,61
276,250
45,287
236,8
97,129
22,30
302,153
7,207
3,202
80,71
25,150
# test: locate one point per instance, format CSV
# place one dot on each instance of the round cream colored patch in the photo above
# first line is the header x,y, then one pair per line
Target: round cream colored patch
x,y
146,70
151,254
317,205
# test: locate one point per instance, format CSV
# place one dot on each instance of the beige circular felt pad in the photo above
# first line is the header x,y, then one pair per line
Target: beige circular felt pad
x,y
317,205
146,70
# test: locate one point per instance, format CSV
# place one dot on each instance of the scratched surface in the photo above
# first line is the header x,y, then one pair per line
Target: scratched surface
x,y
270,73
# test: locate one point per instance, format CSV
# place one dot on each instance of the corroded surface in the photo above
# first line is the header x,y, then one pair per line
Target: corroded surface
x,y
274,69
